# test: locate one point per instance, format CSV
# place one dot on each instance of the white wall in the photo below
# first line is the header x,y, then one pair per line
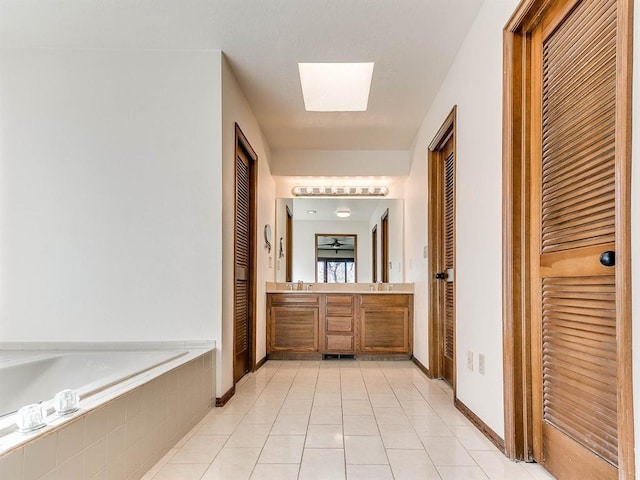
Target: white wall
x,y
415,242
474,83
236,109
110,203
304,253
340,162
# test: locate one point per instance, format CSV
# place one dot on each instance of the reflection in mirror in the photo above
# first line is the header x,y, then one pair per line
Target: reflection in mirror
x,y
336,258
374,253
385,263
289,237
298,220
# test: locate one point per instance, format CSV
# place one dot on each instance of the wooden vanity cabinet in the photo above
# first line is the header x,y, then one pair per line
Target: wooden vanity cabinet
x,y
293,323
307,325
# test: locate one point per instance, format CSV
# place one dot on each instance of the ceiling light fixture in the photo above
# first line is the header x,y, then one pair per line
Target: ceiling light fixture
x,y
333,191
343,212
336,87
312,212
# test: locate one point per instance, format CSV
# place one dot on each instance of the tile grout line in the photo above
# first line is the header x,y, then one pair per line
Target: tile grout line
x,y
376,417
424,447
315,386
243,417
258,396
344,439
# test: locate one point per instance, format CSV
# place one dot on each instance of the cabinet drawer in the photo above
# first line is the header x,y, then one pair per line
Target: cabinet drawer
x,y
339,299
340,310
340,343
386,300
339,305
294,298
340,324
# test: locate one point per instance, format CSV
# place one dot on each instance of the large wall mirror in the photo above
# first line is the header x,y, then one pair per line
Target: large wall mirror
x,y
301,221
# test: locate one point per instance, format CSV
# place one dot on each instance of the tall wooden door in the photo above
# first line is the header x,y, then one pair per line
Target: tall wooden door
x,y
244,275
573,220
448,259
441,256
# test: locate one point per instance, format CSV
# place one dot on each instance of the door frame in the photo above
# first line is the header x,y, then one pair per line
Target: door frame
x,y
516,234
435,166
384,247
288,259
241,143
374,254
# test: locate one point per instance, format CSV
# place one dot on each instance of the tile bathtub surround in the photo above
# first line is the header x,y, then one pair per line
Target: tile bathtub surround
x,y
124,438
7,347
304,420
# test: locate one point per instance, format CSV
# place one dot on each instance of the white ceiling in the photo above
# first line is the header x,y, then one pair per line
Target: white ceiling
x,y
412,42
361,209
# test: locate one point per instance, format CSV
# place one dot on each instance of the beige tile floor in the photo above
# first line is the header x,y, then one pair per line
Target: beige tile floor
x,y
339,419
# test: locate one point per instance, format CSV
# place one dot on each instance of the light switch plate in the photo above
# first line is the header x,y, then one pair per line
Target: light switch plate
x,y
481,364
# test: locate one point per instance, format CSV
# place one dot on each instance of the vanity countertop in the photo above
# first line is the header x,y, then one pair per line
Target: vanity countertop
x,y
361,288
374,292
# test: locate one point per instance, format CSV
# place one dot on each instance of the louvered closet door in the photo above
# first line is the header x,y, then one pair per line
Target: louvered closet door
x,y
242,266
448,215
574,205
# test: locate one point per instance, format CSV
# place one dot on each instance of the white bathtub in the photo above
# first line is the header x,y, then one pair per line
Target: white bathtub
x,y
37,377
140,402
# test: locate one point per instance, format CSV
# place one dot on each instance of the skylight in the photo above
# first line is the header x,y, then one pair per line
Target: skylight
x,y
336,87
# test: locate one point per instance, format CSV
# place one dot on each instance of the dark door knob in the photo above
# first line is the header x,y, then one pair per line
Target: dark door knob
x,y
608,258
441,275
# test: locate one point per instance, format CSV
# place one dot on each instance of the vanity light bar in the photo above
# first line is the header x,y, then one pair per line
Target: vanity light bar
x,y
340,191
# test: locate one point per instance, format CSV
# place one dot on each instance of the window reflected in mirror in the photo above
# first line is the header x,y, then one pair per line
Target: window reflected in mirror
x,y
336,258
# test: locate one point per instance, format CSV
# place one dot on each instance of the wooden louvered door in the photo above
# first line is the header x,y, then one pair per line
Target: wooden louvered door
x,y
441,251
573,201
448,244
244,259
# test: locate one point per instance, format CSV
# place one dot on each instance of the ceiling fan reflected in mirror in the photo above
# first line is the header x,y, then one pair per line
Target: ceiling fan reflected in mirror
x,y
335,243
